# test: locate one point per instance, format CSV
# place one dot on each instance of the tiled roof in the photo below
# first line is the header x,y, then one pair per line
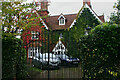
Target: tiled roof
x,y
93,12
53,23
102,18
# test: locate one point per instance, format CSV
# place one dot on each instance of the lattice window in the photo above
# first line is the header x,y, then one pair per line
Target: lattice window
x,y
33,51
35,35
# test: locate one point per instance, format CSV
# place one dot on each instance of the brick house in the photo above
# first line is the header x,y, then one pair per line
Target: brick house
x,y
58,22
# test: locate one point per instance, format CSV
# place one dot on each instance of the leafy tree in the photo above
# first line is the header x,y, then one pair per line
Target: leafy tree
x,y
114,18
14,17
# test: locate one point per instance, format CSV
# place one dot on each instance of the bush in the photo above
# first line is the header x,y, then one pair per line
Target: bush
x,y
13,58
100,52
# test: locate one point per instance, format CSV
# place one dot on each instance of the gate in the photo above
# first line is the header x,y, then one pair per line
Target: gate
x,y
54,54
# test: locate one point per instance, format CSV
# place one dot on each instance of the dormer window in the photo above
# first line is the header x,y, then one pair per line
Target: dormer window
x,y
61,20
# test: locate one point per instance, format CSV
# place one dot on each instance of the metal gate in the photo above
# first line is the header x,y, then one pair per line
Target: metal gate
x,y
54,54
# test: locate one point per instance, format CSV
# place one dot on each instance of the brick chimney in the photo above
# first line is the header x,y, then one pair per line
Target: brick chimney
x,y
87,2
44,4
44,8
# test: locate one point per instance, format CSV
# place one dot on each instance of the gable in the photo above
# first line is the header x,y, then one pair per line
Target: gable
x,y
59,47
61,16
42,21
53,22
35,19
91,10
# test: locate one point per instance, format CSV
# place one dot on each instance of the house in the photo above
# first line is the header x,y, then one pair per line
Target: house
x,y
32,36
58,22
65,21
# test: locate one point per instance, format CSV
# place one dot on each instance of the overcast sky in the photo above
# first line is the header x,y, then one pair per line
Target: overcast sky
x,y
57,7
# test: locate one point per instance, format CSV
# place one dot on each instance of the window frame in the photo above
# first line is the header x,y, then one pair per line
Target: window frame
x,y
61,20
36,35
32,51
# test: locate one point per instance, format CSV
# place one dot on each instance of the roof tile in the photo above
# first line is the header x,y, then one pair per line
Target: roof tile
x,y
53,23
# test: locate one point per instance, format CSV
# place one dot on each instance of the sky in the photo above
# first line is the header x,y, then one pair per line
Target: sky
x,y
56,7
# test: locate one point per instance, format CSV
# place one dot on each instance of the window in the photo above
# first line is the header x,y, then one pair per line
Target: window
x,y
62,47
86,33
87,30
35,35
62,21
59,52
33,51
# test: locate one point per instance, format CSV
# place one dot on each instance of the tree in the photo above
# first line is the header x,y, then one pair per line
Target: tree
x,y
14,17
115,17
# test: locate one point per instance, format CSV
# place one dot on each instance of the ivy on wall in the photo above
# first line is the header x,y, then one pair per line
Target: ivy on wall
x,y
84,20
72,36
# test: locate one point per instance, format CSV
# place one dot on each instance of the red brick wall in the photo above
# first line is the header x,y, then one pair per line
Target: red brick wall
x,y
26,37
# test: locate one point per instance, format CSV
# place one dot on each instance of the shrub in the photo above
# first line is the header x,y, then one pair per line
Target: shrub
x,y
100,52
13,58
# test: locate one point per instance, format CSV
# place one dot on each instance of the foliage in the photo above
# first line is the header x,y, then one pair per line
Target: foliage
x,y
70,44
72,36
13,58
114,18
84,20
35,69
14,16
100,52
54,38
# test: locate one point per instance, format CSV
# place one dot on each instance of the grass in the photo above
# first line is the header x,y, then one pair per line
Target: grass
x,y
35,69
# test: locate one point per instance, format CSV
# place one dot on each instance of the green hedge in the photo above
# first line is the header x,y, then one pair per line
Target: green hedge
x,y
100,52
13,58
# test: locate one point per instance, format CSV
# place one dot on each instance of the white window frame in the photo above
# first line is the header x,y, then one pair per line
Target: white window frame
x,y
35,33
61,20
33,51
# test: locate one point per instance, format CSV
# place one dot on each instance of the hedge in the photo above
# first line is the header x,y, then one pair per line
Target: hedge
x,y
13,58
100,52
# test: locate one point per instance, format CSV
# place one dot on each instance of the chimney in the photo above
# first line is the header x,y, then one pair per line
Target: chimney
x,y
44,8
44,4
87,2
